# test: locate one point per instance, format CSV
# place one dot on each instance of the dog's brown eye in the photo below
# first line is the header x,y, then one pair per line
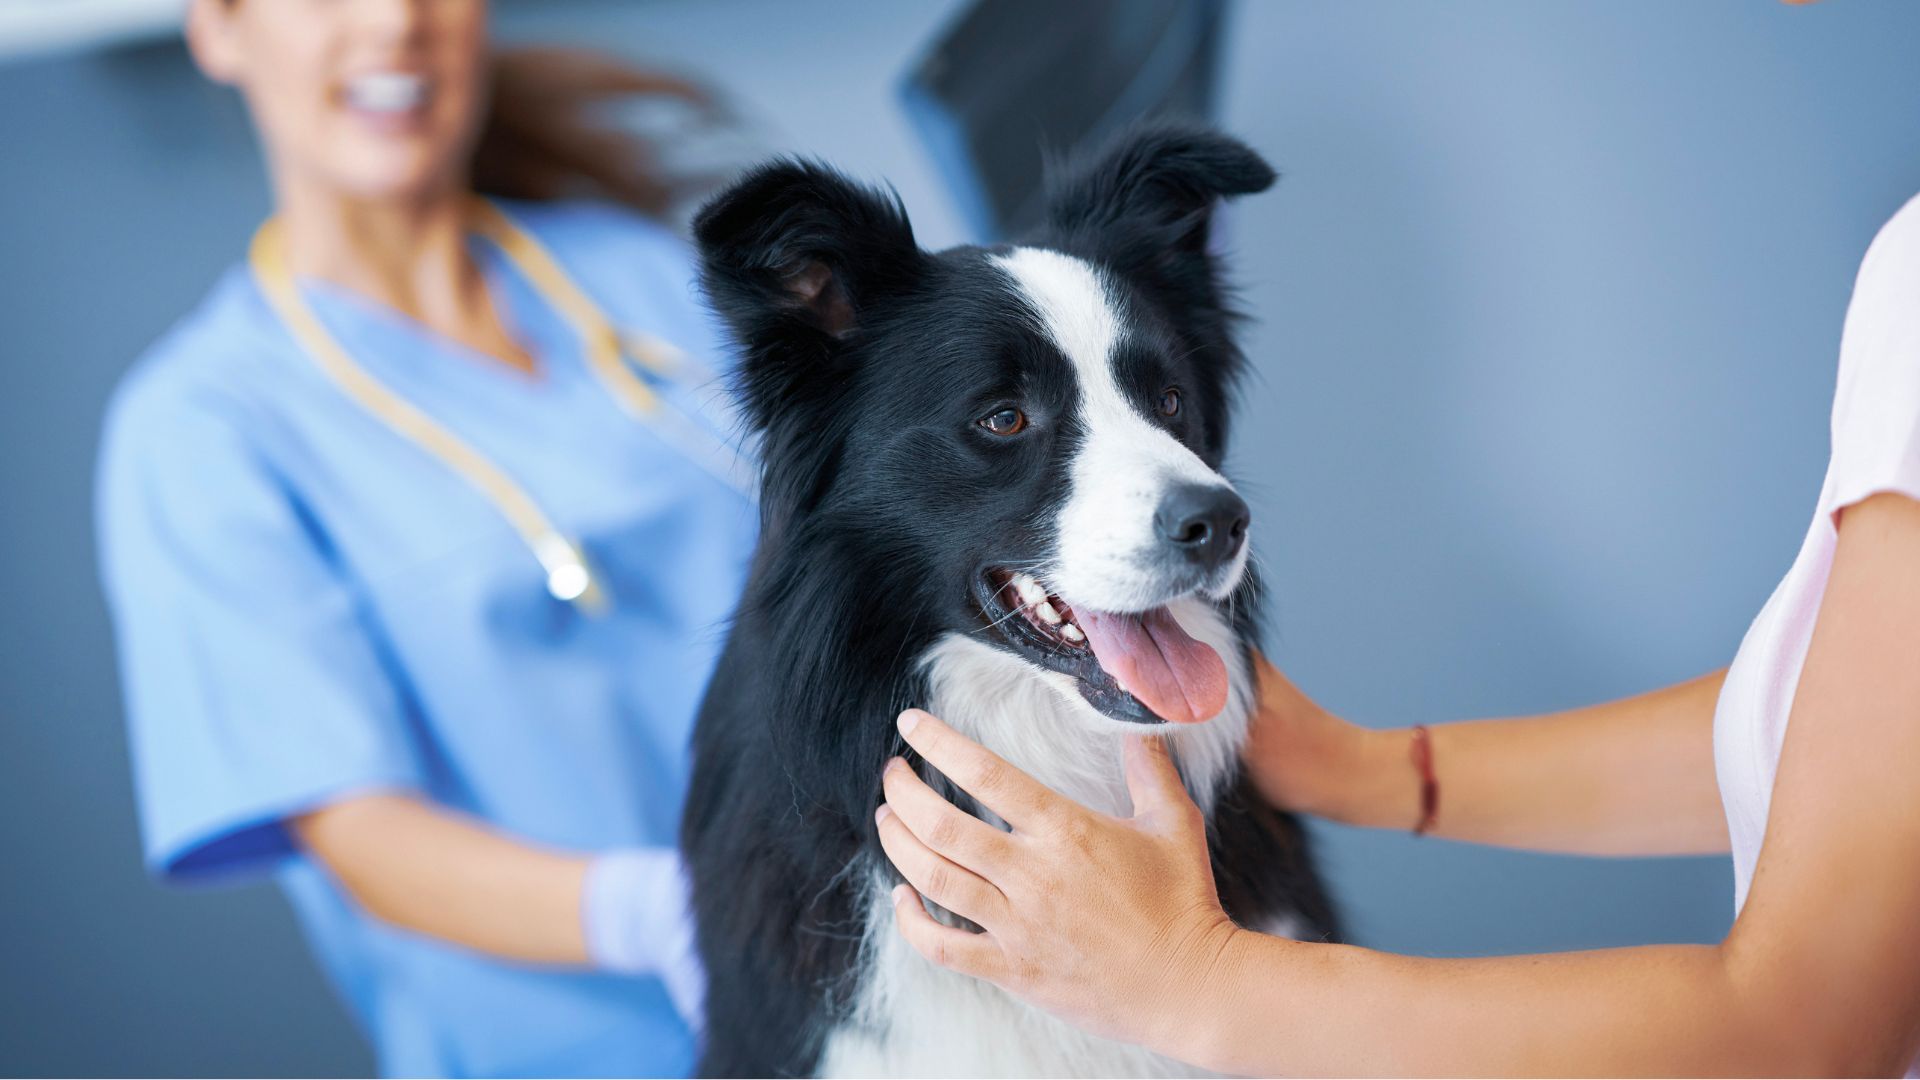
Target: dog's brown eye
x,y
1005,422
1170,402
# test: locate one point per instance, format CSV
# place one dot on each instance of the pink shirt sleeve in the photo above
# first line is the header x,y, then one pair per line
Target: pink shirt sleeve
x,y
1876,405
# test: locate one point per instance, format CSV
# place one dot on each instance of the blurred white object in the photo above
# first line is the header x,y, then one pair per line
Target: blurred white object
x,y
39,26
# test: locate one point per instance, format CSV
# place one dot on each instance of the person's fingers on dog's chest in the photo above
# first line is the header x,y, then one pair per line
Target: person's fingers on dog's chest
x,y
1019,799
964,951
943,826
938,878
1154,784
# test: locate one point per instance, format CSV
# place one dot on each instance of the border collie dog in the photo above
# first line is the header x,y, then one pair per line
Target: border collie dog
x,y
990,488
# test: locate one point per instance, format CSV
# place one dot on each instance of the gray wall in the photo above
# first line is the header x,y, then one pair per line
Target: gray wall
x,y
1549,300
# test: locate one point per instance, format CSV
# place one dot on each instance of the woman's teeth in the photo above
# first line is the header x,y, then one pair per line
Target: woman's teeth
x,y
1035,599
387,92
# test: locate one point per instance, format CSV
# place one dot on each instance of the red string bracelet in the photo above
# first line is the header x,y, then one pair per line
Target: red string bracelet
x,y
1422,753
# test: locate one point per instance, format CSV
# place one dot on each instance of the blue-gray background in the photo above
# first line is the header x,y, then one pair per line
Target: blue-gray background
x,y
1548,302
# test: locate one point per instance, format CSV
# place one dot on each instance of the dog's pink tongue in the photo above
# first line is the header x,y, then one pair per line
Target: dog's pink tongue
x,y
1153,659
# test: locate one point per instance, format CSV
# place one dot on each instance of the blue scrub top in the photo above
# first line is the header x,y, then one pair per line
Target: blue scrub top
x,y
309,606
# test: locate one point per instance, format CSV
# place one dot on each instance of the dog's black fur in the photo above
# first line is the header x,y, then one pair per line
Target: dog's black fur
x,y
865,361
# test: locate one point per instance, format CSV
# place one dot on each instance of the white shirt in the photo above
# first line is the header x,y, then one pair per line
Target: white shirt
x,y
1876,448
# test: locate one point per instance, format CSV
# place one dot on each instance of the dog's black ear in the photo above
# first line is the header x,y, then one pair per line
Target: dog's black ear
x,y
793,255
1163,179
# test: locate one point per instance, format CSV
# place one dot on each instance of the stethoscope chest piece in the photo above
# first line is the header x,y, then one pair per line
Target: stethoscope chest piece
x,y
568,576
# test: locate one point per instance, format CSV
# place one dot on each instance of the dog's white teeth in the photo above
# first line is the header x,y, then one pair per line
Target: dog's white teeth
x,y
1031,591
1039,605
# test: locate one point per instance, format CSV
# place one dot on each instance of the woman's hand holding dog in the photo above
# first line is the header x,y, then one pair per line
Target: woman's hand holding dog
x,y
1111,923
1303,758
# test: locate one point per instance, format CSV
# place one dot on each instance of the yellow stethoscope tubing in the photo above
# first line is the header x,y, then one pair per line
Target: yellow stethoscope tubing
x,y
568,575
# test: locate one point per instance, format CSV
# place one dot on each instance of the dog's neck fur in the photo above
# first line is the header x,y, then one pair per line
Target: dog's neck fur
x,y
1038,721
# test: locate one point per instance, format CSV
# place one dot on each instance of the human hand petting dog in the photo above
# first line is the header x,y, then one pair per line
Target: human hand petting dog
x,y
1112,924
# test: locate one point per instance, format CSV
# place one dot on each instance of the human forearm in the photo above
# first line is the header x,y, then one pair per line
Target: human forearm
x,y
431,871
1268,1006
1630,777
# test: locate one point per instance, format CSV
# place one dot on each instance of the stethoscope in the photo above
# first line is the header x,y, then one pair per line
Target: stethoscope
x,y
569,576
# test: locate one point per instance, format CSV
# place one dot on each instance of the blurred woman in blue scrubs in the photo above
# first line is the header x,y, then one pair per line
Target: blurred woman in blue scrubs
x,y
420,535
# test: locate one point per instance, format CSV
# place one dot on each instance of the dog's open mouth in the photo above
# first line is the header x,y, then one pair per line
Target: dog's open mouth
x,y
1139,667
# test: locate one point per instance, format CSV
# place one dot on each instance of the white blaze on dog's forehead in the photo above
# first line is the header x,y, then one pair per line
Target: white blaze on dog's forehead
x,y
1078,315
1074,309
1126,462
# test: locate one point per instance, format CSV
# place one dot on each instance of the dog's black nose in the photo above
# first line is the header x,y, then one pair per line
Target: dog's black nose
x,y
1206,524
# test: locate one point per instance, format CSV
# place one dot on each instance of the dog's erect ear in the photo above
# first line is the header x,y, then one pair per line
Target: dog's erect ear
x,y
1163,179
793,254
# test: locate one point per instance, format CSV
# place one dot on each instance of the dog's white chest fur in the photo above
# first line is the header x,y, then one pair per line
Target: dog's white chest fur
x,y
913,1019
918,1020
